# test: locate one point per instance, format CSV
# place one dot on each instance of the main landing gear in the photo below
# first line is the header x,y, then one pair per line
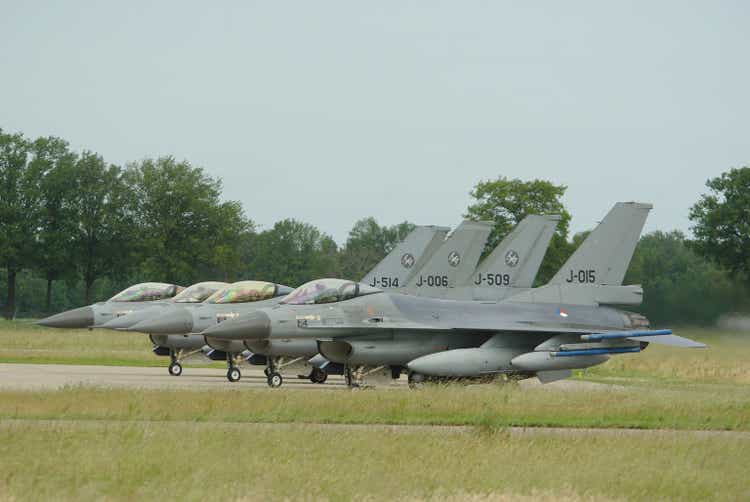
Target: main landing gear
x,y
233,372
317,375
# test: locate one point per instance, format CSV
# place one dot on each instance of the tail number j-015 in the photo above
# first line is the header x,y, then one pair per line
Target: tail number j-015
x,y
582,276
498,280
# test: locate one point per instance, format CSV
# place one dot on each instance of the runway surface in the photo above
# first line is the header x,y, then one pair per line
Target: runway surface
x,y
54,376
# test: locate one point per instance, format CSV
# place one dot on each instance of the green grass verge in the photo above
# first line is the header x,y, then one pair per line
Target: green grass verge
x,y
24,342
121,461
486,405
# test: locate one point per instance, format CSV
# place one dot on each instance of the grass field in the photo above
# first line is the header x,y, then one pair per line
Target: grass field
x,y
96,443
127,461
24,342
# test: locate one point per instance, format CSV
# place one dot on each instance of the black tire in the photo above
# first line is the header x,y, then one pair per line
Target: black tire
x,y
317,375
234,374
175,369
416,379
267,371
275,380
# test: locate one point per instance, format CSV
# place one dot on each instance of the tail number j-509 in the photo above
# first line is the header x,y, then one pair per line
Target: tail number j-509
x,y
582,276
500,280
439,281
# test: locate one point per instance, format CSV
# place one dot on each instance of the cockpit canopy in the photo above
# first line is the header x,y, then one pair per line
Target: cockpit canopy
x,y
327,291
199,292
147,292
248,291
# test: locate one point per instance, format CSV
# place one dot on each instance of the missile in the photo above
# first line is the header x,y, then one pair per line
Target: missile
x,y
597,337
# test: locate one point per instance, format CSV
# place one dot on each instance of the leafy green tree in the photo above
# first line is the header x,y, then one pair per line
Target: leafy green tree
x,y
722,221
103,207
506,202
19,211
55,249
292,253
185,231
678,284
368,243
233,232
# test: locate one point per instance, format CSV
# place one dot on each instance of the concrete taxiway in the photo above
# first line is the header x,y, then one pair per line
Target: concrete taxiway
x,y
55,376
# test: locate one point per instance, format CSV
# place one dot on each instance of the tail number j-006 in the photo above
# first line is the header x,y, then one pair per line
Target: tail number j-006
x,y
582,276
498,280
384,282
433,281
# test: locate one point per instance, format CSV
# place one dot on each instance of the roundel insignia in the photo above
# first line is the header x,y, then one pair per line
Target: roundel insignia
x,y
454,259
511,258
407,260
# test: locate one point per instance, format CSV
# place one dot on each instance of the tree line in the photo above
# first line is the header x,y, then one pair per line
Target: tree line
x,y
75,229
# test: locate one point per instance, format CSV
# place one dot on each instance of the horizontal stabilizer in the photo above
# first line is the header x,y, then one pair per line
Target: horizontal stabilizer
x,y
673,340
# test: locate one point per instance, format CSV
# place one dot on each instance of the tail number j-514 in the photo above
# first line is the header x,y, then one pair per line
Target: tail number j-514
x,y
582,276
384,282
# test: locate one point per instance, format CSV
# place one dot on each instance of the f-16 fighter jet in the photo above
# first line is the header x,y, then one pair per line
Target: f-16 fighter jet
x,y
175,331
137,297
449,273
543,332
191,297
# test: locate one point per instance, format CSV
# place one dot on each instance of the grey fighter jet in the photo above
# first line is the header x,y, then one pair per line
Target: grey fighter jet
x,y
543,332
136,297
191,297
178,328
449,272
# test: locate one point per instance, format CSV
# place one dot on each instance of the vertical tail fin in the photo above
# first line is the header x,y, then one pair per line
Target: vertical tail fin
x,y
407,257
604,257
516,260
454,262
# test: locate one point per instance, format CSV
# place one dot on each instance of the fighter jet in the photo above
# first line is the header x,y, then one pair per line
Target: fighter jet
x,y
178,328
136,297
543,332
448,273
191,297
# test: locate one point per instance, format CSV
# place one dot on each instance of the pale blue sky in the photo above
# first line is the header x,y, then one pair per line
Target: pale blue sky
x,y
331,111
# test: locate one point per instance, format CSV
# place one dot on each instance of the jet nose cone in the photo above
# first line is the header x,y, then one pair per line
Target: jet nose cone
x,y
82,317
175,322
253,326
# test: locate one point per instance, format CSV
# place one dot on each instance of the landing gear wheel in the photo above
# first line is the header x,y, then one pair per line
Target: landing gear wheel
x,y
267,372
416,380
233,374
175,368
317,375
275,380
349,378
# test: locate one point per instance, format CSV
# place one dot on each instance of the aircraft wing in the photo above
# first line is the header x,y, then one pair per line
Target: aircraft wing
x,y
588,334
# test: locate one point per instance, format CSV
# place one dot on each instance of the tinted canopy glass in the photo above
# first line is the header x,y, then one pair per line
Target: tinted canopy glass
x,y
147,292
199,292
327,291
248,291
